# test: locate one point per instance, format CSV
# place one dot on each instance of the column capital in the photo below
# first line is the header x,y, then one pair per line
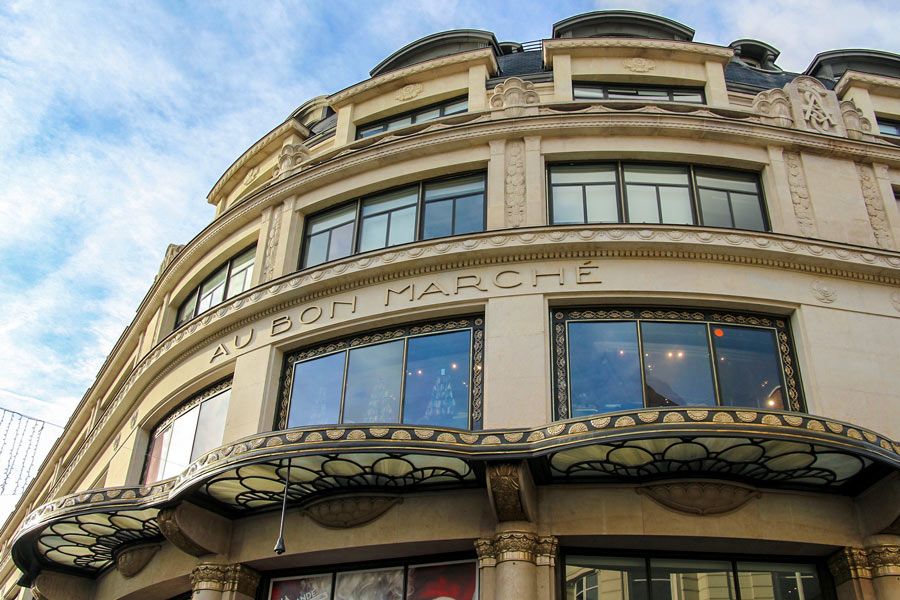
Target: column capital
x,y
547,551
884,560
515,545
849,563
225,578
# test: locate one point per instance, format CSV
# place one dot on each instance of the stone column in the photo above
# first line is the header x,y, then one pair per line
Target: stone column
x,y
884,562
487,568
211,581
852,576
515,552
545,560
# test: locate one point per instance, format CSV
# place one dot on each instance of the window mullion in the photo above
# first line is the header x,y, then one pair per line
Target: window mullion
x,y
640,339
403,364
715,366
344,385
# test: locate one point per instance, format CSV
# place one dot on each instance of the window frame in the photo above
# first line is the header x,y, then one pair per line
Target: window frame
x,y
888,122
562,383
168,421
622,195
472,323
359,202
383,123
671,90
194,295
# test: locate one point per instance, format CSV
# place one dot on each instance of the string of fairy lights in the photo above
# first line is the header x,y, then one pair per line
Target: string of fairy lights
x,y
20,436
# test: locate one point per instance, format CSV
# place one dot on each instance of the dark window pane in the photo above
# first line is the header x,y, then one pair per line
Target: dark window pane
x,y
317,249
642,207
316,391
390,201
159,448
779,581
676,364
687,97
469,216
397,123
437,380
583,174
679,579
676,205
714,208
456,107
383,584
341,243
179,456
606,578
186,311
427,115
604,367
374,374
656,174
438,219
311,586
748,367
587,93
332,219
888,127
568,204
367,131
747,212
450,580
459,186
211,424
601,204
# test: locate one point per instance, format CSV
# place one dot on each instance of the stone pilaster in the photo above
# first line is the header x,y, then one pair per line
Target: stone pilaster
x,y
517,564
211,581
883,553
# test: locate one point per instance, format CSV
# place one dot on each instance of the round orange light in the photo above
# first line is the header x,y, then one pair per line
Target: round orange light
x,y
718,332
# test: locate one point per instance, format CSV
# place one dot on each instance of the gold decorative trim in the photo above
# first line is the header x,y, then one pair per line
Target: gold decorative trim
x,y
225,578
515,545
884,560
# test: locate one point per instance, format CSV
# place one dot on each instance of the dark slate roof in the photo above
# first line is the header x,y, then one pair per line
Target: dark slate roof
x,y
521,63
324,125
741,77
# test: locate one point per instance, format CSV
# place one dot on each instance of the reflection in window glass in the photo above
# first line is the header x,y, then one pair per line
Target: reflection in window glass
x,y
443,109
212,291
314,587
227,281
330,236
601,578
604,367
210,424
747,367
729,199
453,581
594,91
778,581
241,272
316,392
381,584
677,367
373,383
437,380
680,579
454,206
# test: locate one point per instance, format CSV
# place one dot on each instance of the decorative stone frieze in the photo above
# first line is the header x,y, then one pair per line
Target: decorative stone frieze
x,y
225,578
514,184
875,206
637,64
699,497
895,300
849,563
884,560
131,561
800,194
291,157
352,511
515,98
408,92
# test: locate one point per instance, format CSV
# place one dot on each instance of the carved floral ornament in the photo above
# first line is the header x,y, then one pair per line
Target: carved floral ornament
x,y
637,64
408,92
864,563
291,157
225,578
517,545
513,96
823,291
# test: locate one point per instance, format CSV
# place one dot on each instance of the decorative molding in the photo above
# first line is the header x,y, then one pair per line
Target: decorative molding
x,y
547,551
857,125
884,560
272,234
167,522
800,194
875,206
550,46
514,197
822,291
290,159
868,80
225,578
408,92
252,173
699,497
510,491
515,545
849,563
637,64
350,511
514,96
774,106
814,106
132,560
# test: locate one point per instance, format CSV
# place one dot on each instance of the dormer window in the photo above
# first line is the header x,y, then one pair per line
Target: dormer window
x,y
435,111
647,93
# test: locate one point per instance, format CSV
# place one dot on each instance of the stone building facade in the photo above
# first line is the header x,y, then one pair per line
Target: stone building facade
x,y
612,315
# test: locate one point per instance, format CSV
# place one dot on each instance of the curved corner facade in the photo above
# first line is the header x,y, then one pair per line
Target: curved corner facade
x,y
612,315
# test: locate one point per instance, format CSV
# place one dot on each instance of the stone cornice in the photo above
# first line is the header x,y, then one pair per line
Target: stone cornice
x,y
659,49
417,72
887,85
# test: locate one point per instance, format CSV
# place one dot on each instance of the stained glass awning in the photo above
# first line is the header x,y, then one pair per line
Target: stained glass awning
x,y
81,533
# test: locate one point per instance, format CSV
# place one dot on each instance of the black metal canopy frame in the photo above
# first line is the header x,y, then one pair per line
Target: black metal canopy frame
x,y
81,533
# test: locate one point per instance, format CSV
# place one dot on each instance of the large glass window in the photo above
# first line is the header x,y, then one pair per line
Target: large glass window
x,y
650,193
617,91
422,211
427,374
455,580
193,429
227,281
627,359
661,578
435,111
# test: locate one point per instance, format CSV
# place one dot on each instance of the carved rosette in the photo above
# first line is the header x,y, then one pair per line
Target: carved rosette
x,y
849,563
637,64
289,159
408,92
352,511
800,194
823,292
513,96
225,578
515,184
884,560
131,561
515,545
699,497
774,107
875,206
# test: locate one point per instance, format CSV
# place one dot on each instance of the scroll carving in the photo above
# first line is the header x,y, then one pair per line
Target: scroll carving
x,y
272,235
514,96
774,107
814,106
131,561
289,159
800,194
854,121
225,578
875,206
699,497
515,184
342,513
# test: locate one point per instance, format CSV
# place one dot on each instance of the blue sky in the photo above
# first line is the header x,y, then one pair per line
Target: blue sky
x,y
116,119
